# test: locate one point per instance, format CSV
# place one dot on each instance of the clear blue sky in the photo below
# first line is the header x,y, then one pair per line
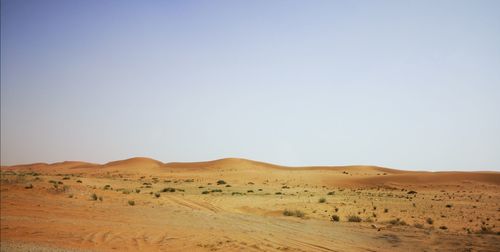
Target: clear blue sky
x,y
403,84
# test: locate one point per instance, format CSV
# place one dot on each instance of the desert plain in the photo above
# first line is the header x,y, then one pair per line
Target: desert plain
x,y
233,204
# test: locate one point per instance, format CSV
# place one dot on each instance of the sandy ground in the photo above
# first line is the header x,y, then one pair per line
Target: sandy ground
x,y
239,205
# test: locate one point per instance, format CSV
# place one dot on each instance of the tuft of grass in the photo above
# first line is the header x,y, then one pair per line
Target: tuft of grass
x,y
299,213
296,213
398,222
205,192
216,190
331,193
485,230
429,221
249,191
353,218
335,218
157,194
131,202
93,197
277,193
168,189
221,182
386,210
322,200
137,190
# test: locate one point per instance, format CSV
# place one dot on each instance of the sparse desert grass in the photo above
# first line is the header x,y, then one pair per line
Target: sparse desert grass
x,y
486,230
168,189
296,213
418,225
397,222
353,218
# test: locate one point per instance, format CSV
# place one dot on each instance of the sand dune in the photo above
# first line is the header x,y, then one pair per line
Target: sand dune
x,y
236,204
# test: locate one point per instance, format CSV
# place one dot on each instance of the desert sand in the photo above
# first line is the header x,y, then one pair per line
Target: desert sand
x,y
242,205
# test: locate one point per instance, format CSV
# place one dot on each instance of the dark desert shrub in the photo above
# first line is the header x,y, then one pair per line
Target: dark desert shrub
x,y
353,218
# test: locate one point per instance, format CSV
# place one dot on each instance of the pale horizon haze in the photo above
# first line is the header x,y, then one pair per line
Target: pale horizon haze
x,y
411,85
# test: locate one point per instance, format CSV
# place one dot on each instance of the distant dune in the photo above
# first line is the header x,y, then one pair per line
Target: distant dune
x,y
363,174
